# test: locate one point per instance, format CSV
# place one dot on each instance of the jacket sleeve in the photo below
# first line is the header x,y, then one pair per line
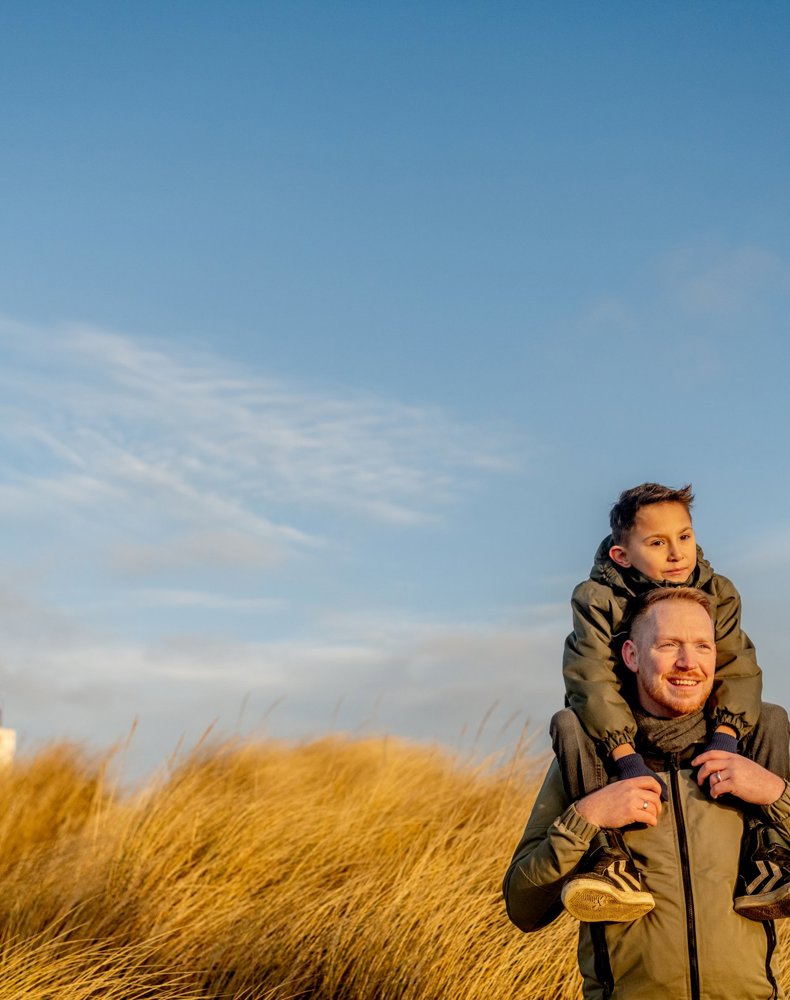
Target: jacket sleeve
x,y
589,666
737,686
554,842
778,813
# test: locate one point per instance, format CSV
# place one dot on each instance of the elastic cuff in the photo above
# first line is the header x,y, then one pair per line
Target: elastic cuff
x,y
723,717
573,821
779,811
611,741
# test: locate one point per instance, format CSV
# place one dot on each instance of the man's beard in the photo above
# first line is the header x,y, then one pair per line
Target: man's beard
x,y
670,699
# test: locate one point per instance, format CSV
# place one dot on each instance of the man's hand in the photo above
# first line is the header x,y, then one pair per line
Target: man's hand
x,y
635,800
731,774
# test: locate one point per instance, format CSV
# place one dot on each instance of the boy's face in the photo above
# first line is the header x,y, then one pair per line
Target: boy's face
x,y
661,544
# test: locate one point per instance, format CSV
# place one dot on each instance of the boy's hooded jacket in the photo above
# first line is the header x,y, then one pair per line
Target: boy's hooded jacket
x,y
595,677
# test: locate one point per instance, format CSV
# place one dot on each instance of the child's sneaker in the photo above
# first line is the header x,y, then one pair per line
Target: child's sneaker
x,y
606,886
763,886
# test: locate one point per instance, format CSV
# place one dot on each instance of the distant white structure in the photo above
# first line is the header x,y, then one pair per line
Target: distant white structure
x,y
7,744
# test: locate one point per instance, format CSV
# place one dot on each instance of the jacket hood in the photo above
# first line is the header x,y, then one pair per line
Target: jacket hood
x,y
631,582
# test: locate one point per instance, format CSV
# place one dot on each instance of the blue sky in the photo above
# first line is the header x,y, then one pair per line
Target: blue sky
x,y
328,335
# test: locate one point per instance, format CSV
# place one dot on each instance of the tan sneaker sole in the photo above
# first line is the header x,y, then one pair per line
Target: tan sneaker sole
x,y
765,905
593,901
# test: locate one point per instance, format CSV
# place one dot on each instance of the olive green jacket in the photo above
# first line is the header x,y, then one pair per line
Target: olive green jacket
x,y
597,684
692,946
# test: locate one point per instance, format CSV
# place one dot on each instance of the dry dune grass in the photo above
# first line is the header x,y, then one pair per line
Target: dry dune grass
x,y
338,869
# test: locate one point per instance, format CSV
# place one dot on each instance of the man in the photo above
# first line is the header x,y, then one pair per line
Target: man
x,y
692,945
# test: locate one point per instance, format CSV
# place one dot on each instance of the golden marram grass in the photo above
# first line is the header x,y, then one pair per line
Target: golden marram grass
x,y
336,869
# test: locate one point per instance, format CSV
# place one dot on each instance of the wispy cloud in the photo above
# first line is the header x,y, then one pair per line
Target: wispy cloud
x,y
717,280
185,554
706,283
422,677
173,545
171,598
701,302
92,419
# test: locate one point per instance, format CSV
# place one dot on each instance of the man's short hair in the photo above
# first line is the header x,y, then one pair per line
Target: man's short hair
x,y
644,604
622,516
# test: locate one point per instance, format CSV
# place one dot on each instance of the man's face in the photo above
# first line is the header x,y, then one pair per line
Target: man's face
x,y
673,654
661,543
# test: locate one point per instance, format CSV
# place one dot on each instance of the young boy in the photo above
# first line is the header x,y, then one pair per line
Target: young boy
x,y
652,544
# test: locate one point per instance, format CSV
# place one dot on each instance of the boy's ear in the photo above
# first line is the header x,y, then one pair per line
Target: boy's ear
x,y
619,555
628,653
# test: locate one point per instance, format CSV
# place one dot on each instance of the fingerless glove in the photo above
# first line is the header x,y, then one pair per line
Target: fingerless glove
x,y
633,766
722,741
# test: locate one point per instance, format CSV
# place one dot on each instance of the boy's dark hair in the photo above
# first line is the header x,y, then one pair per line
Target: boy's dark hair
x,y
622,516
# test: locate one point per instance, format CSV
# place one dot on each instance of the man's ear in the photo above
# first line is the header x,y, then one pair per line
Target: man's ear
x,y
618,555
629,656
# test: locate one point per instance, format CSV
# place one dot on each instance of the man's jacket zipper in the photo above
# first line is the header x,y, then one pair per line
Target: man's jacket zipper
x,y
691,929
770,933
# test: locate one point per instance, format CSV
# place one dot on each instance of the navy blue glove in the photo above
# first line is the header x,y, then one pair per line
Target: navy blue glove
x,y
722,741
633,766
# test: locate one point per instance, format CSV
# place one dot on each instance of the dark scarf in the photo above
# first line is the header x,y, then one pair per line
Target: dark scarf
x,y
670,735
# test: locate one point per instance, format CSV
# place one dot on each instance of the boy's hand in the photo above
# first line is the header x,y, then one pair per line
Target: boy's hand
x,y
731,774
633,766
622,803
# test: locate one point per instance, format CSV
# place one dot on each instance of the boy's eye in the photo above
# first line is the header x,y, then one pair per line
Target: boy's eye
x,y
685,538
656,541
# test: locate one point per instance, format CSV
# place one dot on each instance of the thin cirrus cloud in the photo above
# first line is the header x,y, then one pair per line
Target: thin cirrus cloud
x,y
92,419
701,283
223,550
149,487
696,306
717,280
173,598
